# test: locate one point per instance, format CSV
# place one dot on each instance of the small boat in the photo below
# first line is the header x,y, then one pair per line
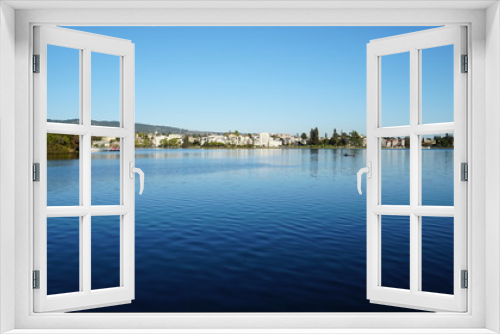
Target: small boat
x,y
349,155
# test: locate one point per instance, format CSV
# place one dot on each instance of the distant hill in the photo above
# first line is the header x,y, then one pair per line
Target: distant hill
x,y
139,127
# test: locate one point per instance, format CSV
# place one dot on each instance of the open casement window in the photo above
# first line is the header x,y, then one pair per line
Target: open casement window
x,y
83,214
418,209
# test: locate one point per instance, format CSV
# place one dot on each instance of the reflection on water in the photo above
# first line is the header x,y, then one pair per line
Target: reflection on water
x,y
63,156
436,167
314,154
258,230
106,155
395,172
76,156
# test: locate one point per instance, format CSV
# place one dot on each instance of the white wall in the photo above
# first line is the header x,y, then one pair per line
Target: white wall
x,y
7,189
492,163
23,158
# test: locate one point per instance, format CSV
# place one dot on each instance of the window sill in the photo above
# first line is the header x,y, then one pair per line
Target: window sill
x,y
252,331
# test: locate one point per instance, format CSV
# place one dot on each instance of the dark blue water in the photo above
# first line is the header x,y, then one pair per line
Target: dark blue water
x,y
252,230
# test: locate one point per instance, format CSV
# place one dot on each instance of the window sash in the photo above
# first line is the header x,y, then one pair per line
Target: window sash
x,y
415,298
85,298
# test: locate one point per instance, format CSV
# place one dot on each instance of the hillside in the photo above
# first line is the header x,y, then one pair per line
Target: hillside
x,y
139,127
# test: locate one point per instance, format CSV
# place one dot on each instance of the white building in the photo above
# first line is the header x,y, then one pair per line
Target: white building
x,y
264,139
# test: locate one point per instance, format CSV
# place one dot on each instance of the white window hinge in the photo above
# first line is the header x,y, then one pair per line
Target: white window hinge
x,y
36,172
464,279
36,63
464,171
465,64
36,279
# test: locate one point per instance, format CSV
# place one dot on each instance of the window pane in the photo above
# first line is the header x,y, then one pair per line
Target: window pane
x,y
105,171
63,84
105,90
395,171
437,84
396,252
437,170
63,170
63,255
105,252
395,89
437,254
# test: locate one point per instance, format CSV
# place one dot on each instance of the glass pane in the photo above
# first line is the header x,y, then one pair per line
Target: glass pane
x,y
105,252
63,84
395,89
437,84
437,254
105,90
396,252
63,255
63,170
395,171
105,171
437,170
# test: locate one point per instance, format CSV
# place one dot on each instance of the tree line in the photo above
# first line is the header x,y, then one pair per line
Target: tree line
x,y
62,144
69,144
352,138
439,142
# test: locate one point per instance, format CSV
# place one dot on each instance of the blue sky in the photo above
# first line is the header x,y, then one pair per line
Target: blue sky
x,y
253,79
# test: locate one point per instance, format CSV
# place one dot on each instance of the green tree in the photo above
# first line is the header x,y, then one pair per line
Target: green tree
x,y
185,142
58,143
444,142
449,141
169,142
314,137
303,136
355,138
344,139
335,138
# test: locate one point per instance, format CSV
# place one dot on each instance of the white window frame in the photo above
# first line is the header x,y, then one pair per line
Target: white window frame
x,y
16,215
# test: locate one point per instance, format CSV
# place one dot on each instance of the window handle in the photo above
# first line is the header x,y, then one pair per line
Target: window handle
x,y
368,171
138,171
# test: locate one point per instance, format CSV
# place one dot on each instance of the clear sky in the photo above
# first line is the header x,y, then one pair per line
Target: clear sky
x,y
253,79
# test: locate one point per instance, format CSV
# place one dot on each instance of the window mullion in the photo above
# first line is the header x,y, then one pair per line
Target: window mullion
x,y
123,156
85,230
85,179
85,150
415,170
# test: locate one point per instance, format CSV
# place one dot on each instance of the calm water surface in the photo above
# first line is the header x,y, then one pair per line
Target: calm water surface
x,y
251,230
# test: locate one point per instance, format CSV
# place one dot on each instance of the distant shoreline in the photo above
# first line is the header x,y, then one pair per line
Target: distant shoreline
x,y
59,153
69,155
281,148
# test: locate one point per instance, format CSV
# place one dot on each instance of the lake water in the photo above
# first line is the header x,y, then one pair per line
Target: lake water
x,y
251,230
